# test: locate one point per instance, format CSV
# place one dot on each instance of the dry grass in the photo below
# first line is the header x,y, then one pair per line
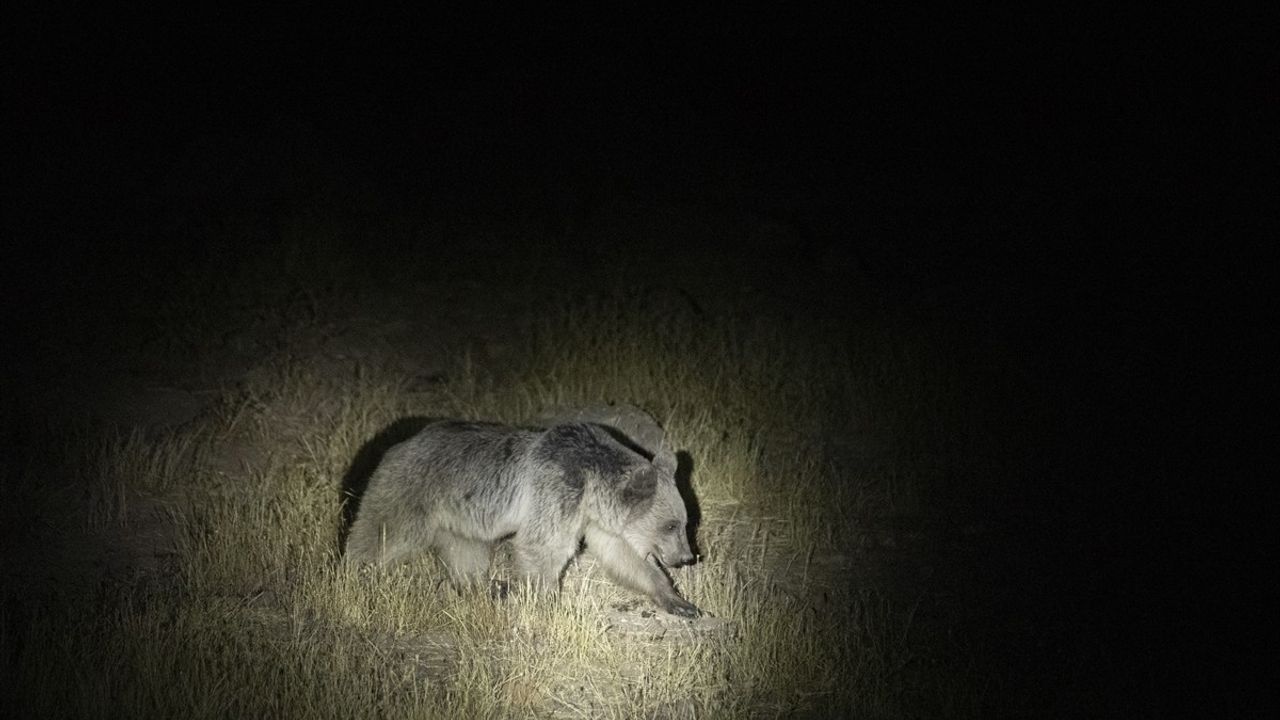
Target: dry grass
x,y
257,619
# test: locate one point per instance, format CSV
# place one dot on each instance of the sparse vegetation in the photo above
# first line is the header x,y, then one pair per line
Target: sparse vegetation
x,y
251,616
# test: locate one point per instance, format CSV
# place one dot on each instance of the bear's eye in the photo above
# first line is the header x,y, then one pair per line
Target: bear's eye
x,y
672,526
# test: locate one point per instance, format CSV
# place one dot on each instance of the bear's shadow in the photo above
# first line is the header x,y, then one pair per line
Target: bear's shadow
x,y
684,483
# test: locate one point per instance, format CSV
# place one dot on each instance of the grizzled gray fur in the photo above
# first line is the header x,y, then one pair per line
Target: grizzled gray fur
x,y
459,487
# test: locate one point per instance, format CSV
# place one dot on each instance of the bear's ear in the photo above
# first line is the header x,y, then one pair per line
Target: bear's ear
x,y
640,484
664,458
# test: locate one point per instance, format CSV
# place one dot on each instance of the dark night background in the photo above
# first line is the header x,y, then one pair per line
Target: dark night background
x,y
1100,188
